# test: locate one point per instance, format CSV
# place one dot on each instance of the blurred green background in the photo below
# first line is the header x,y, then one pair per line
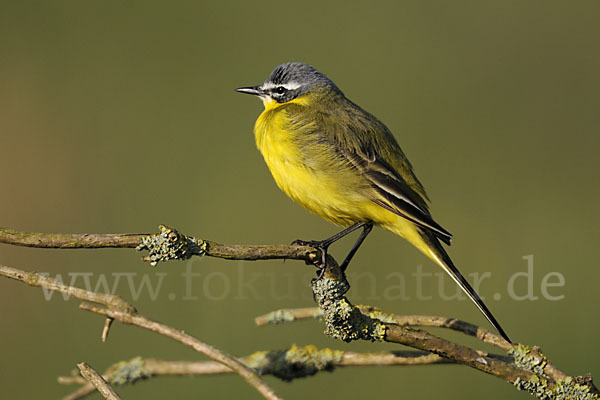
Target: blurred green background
x,y
118,116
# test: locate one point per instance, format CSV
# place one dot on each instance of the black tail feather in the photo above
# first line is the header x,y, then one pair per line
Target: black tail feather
x,y
462,282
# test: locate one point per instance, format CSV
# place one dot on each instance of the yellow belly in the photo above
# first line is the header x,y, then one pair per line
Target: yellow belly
x,y
316,191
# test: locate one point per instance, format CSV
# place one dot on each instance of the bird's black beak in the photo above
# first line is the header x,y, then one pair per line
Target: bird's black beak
x,y
255,90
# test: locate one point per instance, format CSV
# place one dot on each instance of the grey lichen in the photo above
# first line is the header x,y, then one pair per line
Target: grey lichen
x,y
343,320
296,362
169,244
127,371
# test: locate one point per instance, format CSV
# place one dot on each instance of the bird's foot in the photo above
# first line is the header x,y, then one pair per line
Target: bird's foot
x,y
322,246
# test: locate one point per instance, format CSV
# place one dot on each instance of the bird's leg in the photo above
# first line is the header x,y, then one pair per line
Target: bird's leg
x,y
323,245
361,238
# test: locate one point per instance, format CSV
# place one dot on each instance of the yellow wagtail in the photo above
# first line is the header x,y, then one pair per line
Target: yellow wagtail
x,y
343,164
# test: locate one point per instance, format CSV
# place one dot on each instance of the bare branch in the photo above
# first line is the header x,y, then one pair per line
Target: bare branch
x,y
139,320
99,383
39,280
69,240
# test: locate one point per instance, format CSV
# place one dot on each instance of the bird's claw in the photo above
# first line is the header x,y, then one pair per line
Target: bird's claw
x,y
321,246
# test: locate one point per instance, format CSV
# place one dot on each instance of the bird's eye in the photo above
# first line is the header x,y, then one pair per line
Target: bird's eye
x,y
280,90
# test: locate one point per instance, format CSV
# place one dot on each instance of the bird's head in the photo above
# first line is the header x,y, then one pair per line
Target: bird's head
x,y
290,81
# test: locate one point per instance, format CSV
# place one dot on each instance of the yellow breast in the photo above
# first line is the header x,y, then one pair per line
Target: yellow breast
x,y
318,190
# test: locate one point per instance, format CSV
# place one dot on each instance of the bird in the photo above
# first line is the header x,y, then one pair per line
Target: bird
x,y
344,165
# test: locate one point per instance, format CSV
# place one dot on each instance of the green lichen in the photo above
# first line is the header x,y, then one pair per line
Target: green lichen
x,y
32,278
524,358
376,313
540,385
564,389
343,320
279,317
296,362
169,244
283,316
127,371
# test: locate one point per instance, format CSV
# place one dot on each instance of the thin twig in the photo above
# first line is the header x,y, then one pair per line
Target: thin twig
x,y
39,280
118,309
69,240
99,383
218,355
80,393
455,324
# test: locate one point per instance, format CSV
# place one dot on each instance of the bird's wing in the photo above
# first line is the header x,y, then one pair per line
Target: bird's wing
x,y
394,193
374,152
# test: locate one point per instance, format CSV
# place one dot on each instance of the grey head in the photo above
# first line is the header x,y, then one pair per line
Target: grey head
x,y
289,81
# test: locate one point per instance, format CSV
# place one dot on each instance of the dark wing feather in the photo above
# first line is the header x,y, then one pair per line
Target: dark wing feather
x,y
396,195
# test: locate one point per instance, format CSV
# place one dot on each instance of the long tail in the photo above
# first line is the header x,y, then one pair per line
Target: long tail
x,y
438,254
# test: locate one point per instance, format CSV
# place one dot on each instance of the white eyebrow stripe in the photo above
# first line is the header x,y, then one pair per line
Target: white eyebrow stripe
x,y
291,85
288,85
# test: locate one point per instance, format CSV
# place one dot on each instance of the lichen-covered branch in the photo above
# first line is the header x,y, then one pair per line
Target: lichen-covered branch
x,y
295,314
168,244
285,315
530,369
293,363
347,322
